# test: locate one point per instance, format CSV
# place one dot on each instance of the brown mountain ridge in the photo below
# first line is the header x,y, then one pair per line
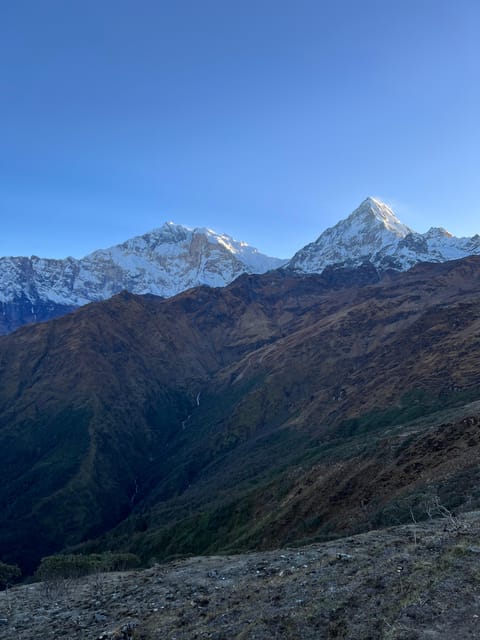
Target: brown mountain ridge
x,y
278,409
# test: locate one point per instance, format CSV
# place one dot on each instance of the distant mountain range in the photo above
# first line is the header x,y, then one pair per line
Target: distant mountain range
x,y
173,258
163,262
328,395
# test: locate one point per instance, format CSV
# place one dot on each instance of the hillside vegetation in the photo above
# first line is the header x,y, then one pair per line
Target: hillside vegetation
x,y
281,409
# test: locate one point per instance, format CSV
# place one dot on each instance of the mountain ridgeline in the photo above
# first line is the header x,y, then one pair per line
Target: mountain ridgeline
x,y
163,262
172,259
284,407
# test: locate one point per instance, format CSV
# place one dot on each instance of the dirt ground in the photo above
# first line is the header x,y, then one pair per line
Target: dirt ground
x,y
420,581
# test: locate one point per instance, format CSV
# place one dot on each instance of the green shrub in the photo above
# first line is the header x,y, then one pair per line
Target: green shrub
x,y
64,566
8,573
71,566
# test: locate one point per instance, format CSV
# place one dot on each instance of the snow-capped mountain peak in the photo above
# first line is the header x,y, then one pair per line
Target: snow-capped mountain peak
x,y
437,232
172,258
381,212
165,261
368,230
373,233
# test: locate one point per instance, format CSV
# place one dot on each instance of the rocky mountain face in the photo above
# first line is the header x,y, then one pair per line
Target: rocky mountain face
x,y
372,233
164,262
278,409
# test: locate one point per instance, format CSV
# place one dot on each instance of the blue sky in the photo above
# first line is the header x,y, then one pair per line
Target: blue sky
x,y
268,120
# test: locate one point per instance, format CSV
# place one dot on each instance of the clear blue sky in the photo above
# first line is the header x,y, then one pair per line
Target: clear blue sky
x,y
268,120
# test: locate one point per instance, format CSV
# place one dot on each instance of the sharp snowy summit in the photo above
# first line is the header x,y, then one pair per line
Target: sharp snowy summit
x,y
174,258
374,234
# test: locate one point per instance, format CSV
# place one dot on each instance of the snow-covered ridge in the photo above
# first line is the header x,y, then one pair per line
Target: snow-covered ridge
x,y
373,233
163,262
173,258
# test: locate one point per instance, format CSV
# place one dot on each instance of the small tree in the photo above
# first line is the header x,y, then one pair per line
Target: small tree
x,y
8,573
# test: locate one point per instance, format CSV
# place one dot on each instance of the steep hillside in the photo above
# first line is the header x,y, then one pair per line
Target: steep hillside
x,y
279,408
